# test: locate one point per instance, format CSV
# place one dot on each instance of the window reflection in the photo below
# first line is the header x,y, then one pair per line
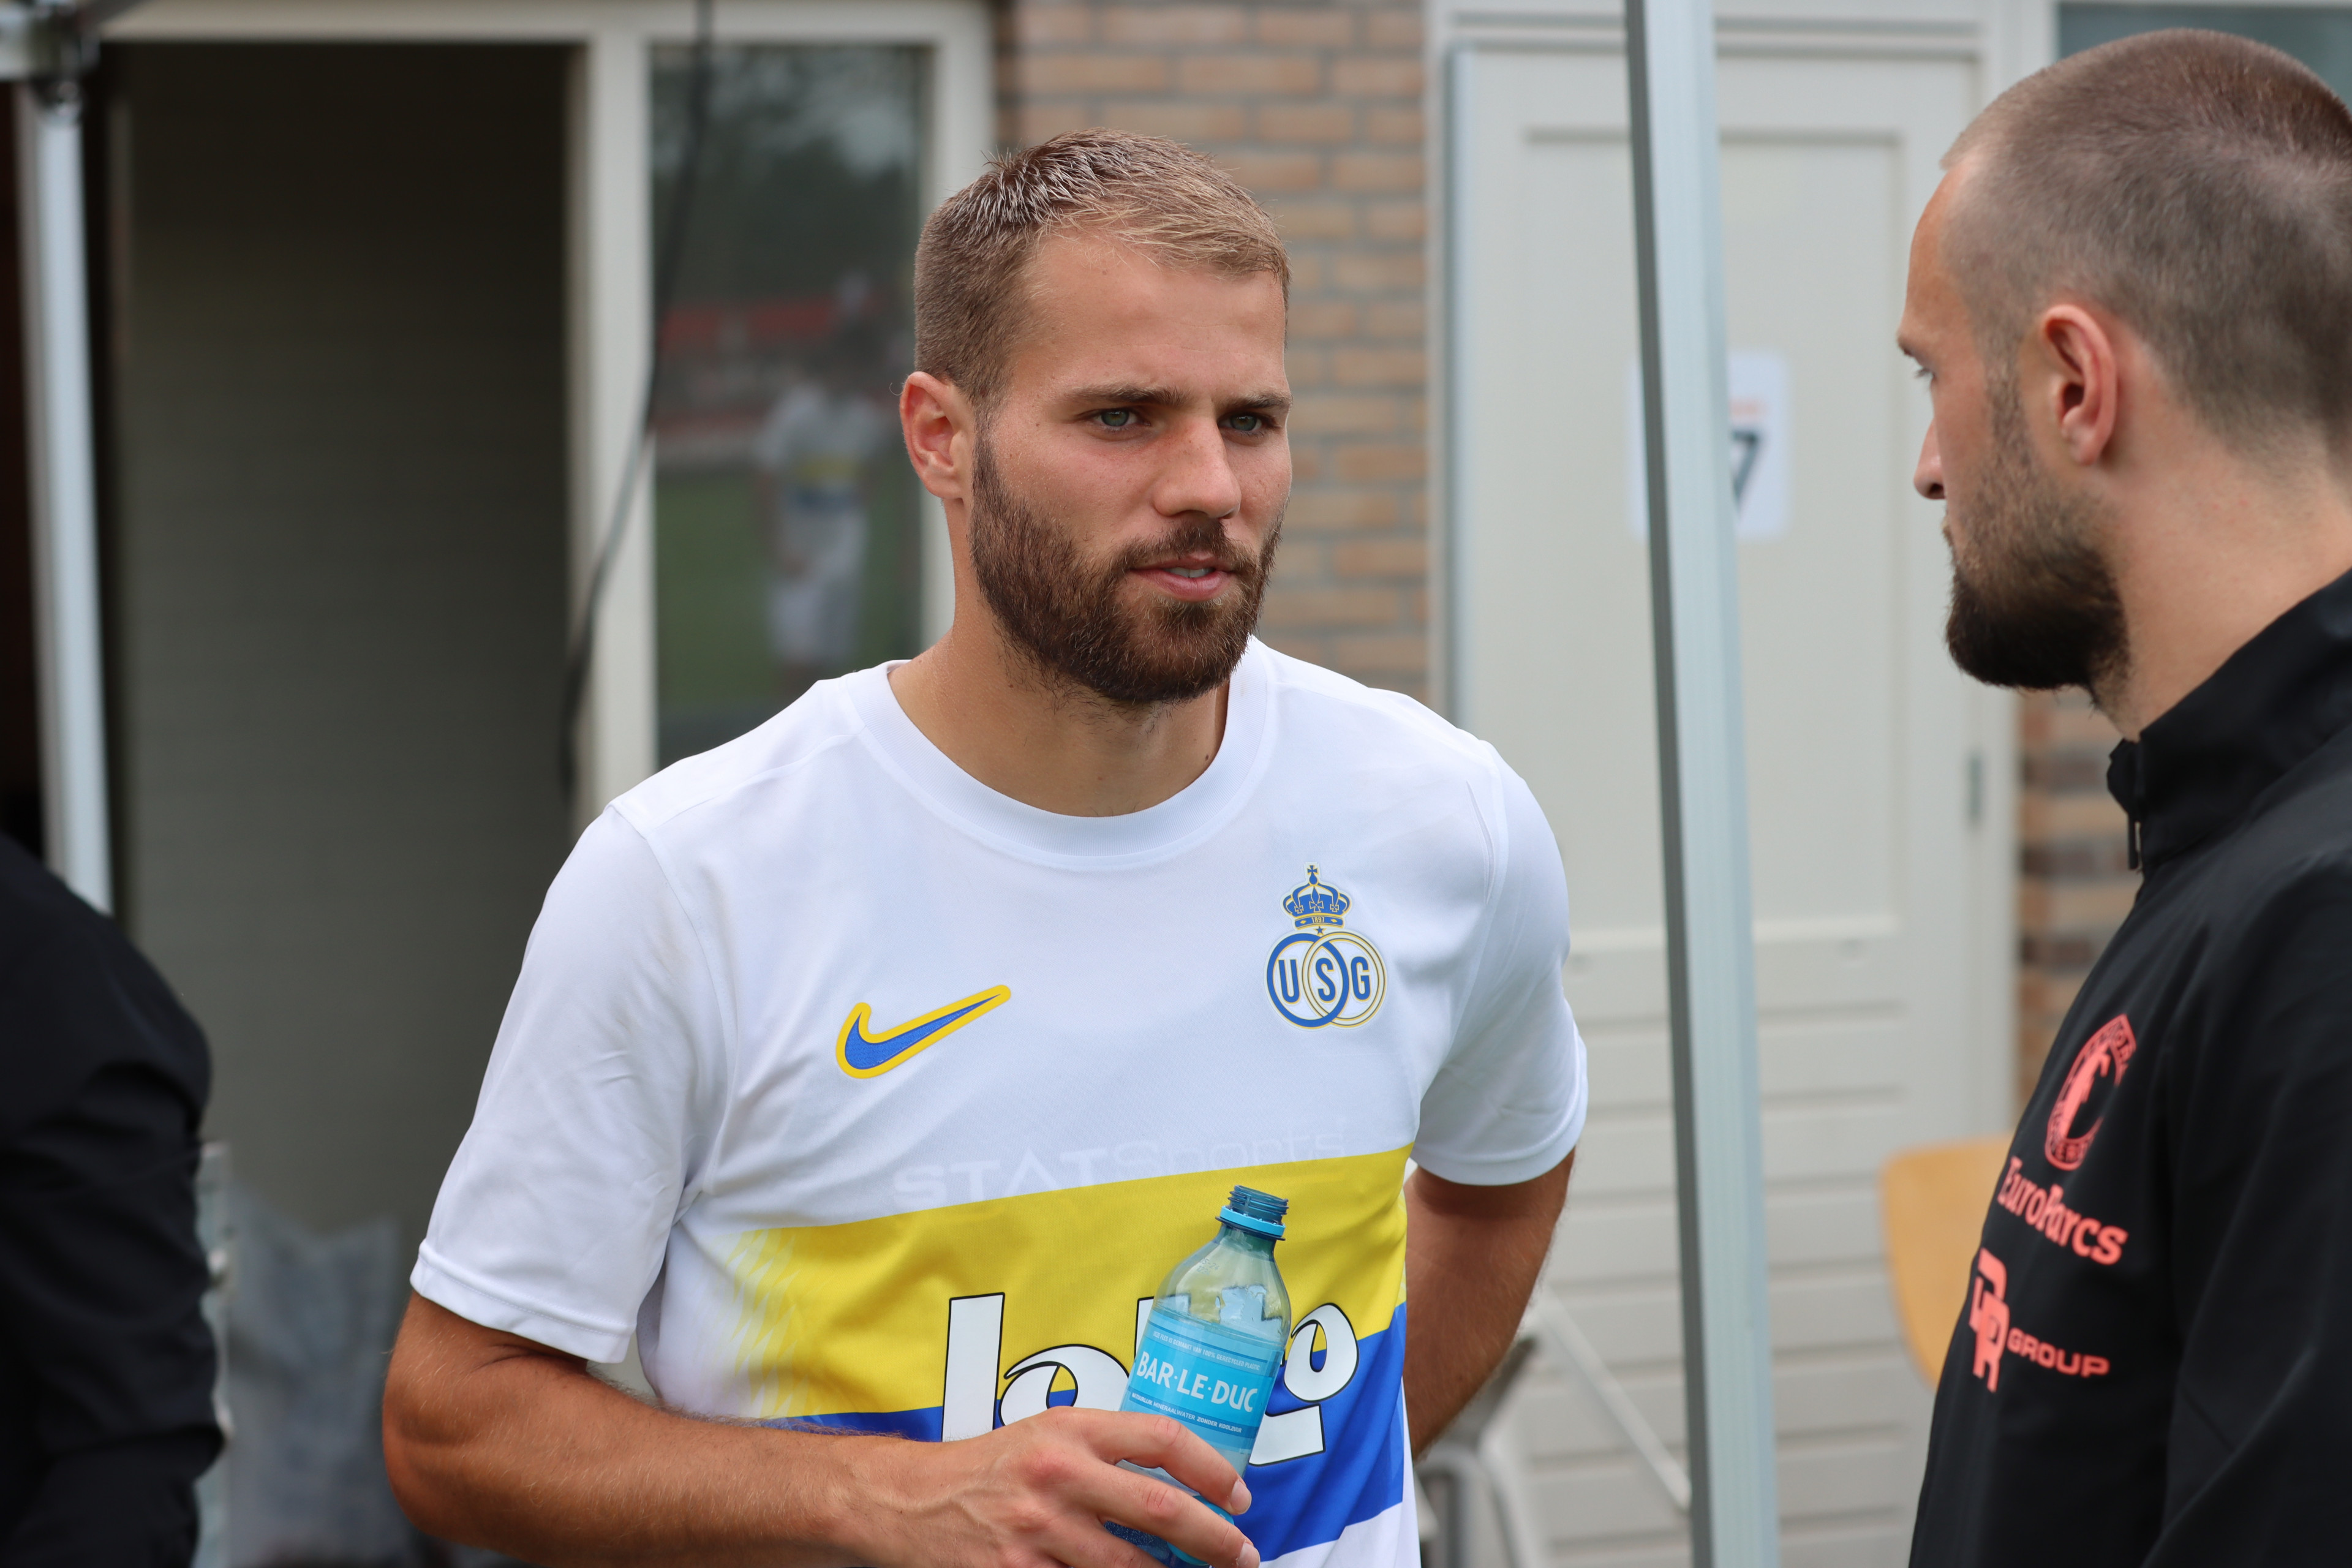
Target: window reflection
x,y
786,543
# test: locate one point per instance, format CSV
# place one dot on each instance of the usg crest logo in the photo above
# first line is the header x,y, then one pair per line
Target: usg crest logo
x,y
1322,973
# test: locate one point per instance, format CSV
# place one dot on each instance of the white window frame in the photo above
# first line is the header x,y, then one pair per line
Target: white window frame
x,y
609,246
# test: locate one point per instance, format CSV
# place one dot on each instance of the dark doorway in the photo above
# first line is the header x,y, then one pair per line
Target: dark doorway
x,y
337,534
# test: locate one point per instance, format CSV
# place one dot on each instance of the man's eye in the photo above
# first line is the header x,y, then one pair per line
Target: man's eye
x,y
1246,424
1117,418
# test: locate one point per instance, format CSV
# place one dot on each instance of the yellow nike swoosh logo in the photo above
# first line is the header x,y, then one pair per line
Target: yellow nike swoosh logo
x,y
862,1055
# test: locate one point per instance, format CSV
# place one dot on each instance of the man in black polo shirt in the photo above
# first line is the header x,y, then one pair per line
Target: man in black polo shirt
x,y
105,1366
2132,298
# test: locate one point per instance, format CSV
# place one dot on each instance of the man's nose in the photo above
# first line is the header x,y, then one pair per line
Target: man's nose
x,y
1928,478
1198,476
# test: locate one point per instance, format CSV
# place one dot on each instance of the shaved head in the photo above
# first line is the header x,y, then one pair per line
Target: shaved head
x,y
2199,186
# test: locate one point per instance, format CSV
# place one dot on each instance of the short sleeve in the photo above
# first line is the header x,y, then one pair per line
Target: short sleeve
x,y
607,1079
1508,1102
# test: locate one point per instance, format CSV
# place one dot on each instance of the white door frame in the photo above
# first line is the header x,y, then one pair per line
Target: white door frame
x,y
609,246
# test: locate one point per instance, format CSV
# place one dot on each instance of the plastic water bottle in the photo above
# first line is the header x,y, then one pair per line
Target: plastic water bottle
x,y
1213,1343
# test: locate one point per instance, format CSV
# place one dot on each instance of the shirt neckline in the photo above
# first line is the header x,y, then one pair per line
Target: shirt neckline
x,y
2202,764
1048,837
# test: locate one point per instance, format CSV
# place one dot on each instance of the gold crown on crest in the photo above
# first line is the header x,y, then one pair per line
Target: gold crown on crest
x,y
1312,903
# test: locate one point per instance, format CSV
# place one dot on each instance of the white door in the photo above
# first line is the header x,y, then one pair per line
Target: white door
x,y
1882,888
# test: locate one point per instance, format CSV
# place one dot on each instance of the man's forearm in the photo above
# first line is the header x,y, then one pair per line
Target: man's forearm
x,y
1472,1257
545,1462
495,1441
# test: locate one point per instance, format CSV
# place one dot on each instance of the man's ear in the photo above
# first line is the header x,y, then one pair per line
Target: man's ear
x,y
937,421
2073,355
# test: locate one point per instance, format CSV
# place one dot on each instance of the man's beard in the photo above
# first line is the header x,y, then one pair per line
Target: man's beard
x,y
2036,608
1066,616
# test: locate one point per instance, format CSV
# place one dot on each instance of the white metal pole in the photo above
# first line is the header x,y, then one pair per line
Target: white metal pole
x,y
1702,780
64,495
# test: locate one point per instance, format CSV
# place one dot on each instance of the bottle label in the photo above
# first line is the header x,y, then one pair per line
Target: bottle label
x,y
1213,1379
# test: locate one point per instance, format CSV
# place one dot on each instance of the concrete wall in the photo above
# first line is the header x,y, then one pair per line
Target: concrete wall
x,y
339,540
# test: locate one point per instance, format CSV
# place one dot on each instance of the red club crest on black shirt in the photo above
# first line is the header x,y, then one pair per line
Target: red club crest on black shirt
x,y
2098,1068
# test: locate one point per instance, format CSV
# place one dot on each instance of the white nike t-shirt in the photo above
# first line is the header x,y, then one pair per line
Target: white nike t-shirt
x,y
871,1099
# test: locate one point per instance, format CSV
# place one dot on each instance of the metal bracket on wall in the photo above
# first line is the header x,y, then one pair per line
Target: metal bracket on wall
x,y
1560,1333
1469,1482
53,44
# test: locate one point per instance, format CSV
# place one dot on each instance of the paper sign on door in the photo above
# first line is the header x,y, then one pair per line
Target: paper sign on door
x,y
1759,446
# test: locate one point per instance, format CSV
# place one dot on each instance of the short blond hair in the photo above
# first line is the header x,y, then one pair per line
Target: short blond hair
x,y
1158,195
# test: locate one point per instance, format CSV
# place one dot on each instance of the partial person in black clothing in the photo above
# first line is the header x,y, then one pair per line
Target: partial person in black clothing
x,y
106,1366
2132,296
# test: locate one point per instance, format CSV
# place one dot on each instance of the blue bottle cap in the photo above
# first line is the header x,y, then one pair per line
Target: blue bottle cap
x,y
1256,1211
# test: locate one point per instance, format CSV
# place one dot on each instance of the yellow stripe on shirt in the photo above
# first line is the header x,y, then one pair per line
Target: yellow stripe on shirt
x,y
853,1318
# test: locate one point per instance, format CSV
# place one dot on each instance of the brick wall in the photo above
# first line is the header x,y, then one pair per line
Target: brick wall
x,y
1317,108
2074,885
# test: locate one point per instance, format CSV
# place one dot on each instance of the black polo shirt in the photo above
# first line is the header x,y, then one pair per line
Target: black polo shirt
x,y
105,1366
2154,1364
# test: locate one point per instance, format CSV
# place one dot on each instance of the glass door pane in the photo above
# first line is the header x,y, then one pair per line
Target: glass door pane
x,y
785,518
2320,37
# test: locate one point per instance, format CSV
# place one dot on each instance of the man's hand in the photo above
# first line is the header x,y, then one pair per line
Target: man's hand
x,y
494,1440
1034,1492
1472,1255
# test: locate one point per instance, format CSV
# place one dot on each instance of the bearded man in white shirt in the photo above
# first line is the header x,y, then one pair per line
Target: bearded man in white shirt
x,y
1162,911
